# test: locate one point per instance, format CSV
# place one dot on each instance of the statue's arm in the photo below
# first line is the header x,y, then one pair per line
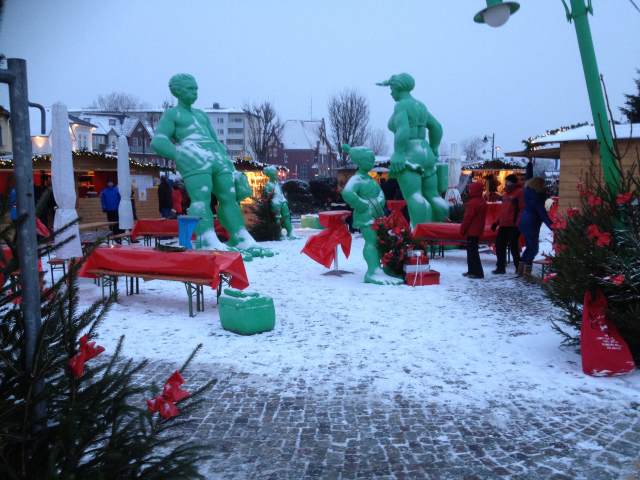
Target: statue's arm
x,y
435,133
165,130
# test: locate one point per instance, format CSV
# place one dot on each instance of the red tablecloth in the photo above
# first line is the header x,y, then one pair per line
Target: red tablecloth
x,y
449,233
201,264
321,247
159,227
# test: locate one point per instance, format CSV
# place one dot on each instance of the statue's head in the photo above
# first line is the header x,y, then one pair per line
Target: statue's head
x,y
271,171
363,157
184,87
402,82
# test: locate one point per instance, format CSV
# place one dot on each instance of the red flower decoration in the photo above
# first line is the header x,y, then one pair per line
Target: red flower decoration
x,y
593,200
550,276
572,212
172,393
559,224
603,239
87,351
559,247
624,198
617,279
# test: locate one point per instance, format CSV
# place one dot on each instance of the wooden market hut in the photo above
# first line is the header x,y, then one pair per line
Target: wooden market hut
x,y
577,149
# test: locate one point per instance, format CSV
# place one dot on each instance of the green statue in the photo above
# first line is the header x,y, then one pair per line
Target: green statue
x,y
414,158
185,135
279,204
365,196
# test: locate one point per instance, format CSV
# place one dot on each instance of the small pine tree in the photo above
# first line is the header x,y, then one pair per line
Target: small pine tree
x,y
264,227
632,108
74,416
597,246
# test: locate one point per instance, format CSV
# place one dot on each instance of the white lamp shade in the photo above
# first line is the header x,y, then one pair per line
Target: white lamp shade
x,y
497,15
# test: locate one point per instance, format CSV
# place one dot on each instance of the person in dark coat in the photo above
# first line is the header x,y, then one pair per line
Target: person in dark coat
x,y
507,224
176,196
529,170
472,227
165,199
533,215
110,200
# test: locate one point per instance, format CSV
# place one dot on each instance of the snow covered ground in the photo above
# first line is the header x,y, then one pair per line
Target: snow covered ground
x,y
464,341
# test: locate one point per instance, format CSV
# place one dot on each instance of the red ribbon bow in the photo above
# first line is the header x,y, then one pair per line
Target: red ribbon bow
x,y
165,403
87,351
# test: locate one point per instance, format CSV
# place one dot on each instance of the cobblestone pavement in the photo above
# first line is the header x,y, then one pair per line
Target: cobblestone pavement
x,y
254,430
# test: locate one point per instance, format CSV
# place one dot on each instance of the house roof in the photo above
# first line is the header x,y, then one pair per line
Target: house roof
x,y
301,134
588,132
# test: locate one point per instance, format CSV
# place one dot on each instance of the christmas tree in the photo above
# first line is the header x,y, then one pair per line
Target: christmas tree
x,y
597,246
77,413
264,227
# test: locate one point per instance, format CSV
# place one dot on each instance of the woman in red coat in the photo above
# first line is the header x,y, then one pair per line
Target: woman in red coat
x,y
472,227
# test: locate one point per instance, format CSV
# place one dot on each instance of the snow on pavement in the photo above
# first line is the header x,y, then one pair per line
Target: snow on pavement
x,y
463,341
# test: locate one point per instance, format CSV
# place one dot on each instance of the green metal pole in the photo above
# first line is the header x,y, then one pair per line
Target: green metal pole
x,y
579,15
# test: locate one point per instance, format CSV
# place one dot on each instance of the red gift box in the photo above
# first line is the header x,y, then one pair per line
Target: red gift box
x,y
416,262
432,277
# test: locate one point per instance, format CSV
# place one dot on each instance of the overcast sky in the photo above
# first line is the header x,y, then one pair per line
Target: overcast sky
x,y
516,81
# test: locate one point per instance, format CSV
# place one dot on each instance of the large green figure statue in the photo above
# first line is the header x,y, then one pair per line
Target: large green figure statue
x,y
279,204
365,196
414,158
184,134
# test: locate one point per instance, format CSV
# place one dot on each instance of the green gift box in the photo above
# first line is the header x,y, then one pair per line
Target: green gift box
x,y
246,313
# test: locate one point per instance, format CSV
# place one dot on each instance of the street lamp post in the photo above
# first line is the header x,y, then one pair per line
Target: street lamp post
x,y
498,12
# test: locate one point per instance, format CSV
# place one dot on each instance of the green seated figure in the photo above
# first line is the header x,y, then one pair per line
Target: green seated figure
x,y
414,158
185,135
279,204
365,196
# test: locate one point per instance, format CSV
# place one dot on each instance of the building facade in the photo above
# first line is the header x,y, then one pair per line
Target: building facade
x,y
304,149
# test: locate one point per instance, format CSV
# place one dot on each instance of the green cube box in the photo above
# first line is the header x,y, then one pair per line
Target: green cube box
x,y
246,314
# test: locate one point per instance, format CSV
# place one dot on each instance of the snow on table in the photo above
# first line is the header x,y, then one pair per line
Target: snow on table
x,y
469,341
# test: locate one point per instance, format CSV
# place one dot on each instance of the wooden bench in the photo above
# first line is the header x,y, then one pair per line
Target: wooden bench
x,y
118,238
194,286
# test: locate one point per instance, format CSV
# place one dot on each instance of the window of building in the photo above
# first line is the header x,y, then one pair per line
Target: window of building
x,y
112,122
220,120
220,131
235,130
235,141
236,120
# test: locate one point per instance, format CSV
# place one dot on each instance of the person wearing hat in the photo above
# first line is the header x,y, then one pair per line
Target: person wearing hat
x,y
413,162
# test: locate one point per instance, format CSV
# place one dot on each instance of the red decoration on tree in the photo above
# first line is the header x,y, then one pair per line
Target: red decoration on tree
x,y
624,198
603,239
572,212
87,351
594,200
617,280
172,393
547,278
559,224
604,352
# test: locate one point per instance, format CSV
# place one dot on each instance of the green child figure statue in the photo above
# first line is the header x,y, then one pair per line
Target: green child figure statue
x,y
365,196
414,158
279,204
185,135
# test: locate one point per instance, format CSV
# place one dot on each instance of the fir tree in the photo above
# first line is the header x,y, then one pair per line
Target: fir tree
x,y
597,246
264,227
79,414
632,108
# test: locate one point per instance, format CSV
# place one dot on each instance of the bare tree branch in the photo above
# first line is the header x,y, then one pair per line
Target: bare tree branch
x,y
120,102
378,141
265,128
472,147
349,119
